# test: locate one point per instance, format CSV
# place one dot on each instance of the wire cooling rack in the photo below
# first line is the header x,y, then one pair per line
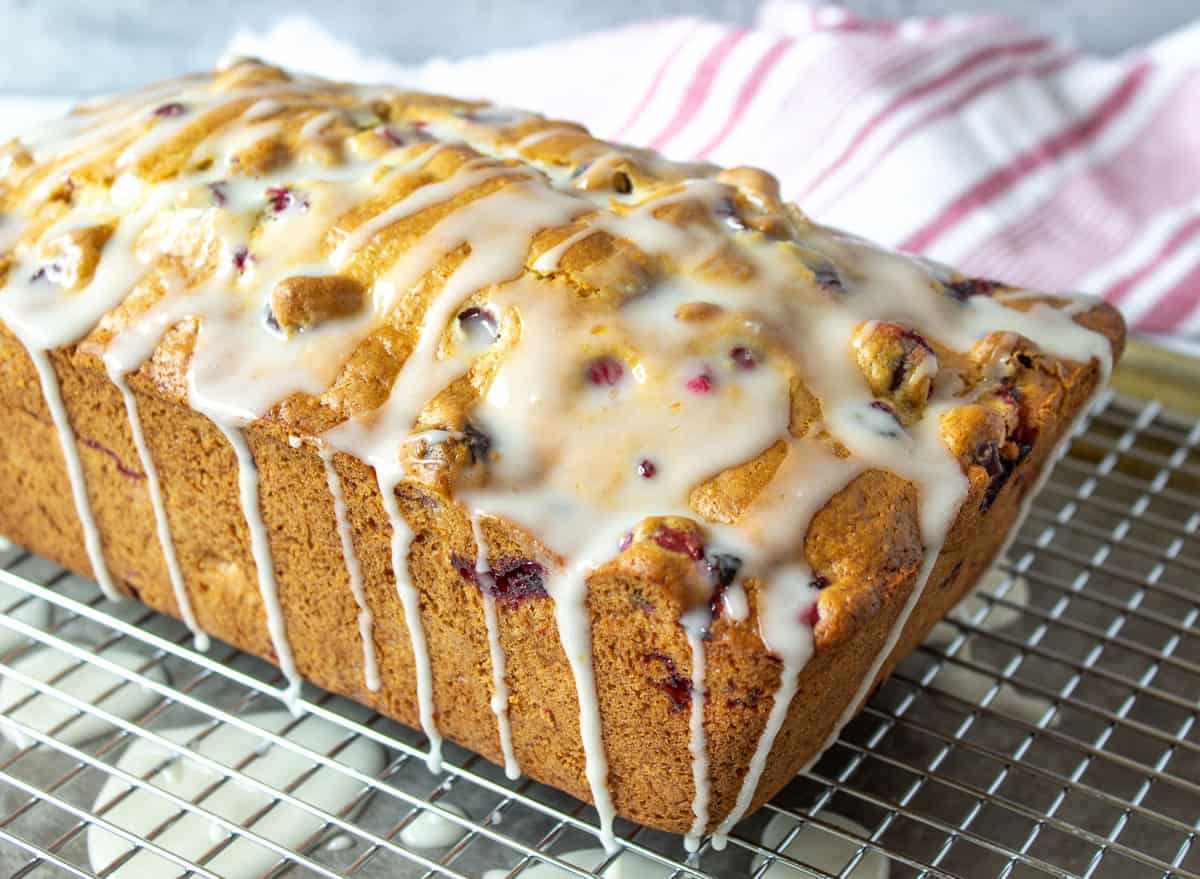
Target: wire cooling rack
x,y
1047,728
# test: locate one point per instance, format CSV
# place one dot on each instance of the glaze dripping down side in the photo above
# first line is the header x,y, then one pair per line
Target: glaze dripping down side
x,y
615,359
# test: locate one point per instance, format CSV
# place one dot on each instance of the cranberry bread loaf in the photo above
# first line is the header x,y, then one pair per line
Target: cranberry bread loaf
x,y
618,471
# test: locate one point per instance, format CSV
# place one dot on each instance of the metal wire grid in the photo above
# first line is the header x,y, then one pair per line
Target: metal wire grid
x,y
1073,751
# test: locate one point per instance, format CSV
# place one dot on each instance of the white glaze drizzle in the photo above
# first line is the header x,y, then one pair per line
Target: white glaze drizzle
x,y
544,134
162,526
499,700
507,220
92,540
81,131
897,629
366,620
140,810
339,842
264,564
575,632
410,600
162,131
45,711
262,109
430,830
549,260
313,127
695,625
471,174
789,677
579,496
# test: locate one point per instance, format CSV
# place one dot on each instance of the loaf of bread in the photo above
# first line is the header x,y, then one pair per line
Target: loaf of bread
x,y
618,471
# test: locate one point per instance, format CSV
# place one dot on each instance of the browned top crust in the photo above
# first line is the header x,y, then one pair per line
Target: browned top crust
x,y
252,149
612,367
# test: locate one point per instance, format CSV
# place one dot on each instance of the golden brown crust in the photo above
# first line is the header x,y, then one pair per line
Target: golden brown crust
x,y
865,543
635,600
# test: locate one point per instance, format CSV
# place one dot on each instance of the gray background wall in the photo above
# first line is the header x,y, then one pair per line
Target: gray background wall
x,y
54,47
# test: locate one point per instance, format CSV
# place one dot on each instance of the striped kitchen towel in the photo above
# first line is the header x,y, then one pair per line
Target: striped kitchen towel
x,y
968,138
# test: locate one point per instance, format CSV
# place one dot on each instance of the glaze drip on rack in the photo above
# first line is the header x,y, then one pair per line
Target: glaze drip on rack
x,y
570,336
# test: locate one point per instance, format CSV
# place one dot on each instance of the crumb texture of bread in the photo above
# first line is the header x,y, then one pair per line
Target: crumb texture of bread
x,y
621,472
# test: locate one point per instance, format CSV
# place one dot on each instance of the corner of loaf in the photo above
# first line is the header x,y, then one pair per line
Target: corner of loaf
x,y
619,471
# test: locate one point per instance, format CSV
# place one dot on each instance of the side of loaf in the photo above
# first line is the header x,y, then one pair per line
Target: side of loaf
x,y
619,472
